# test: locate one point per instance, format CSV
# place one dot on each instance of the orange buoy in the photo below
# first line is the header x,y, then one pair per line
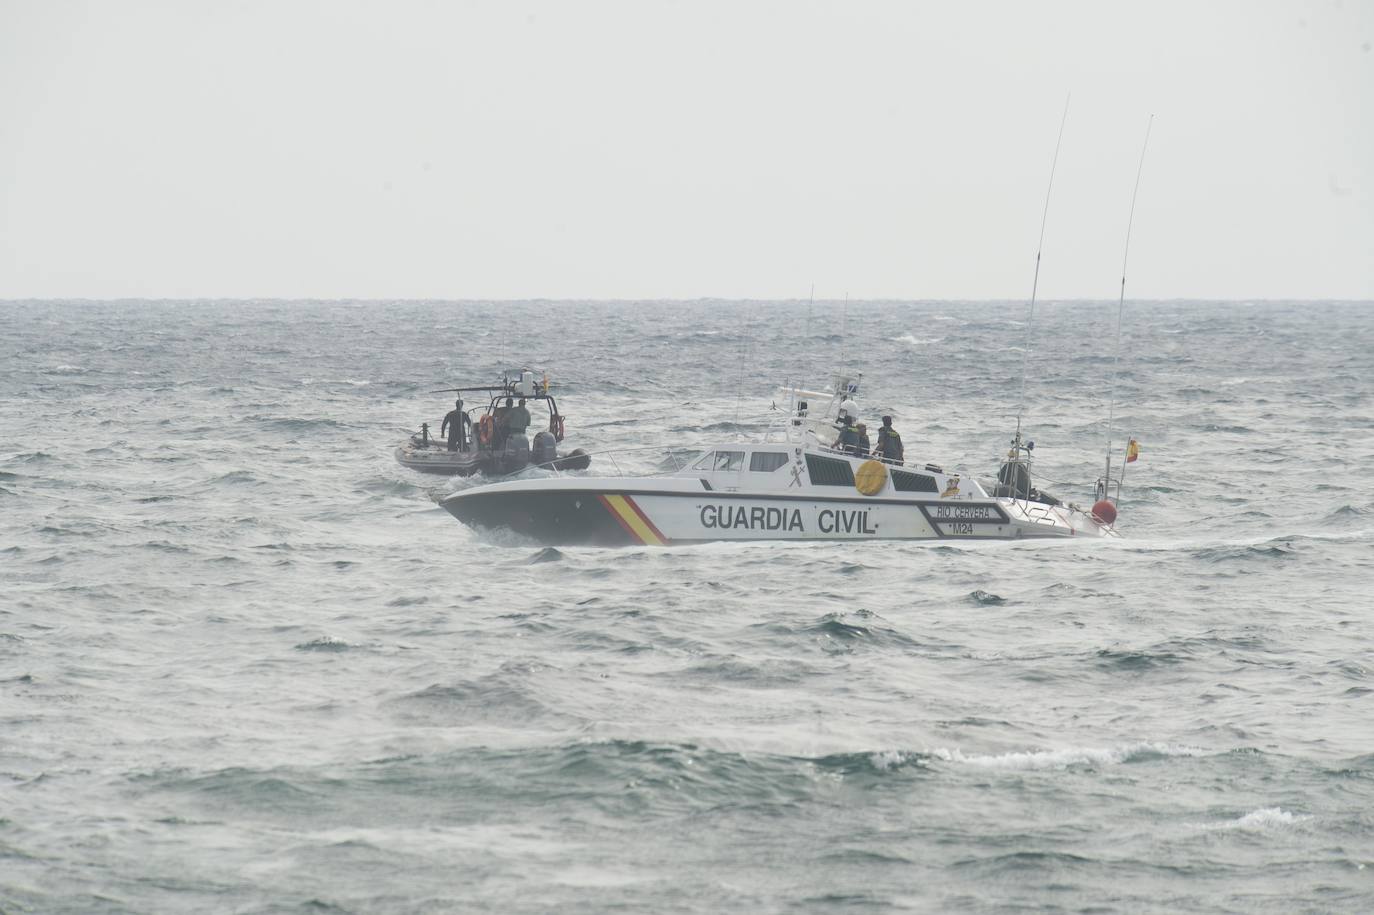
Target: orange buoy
x,y
871,478
1104,511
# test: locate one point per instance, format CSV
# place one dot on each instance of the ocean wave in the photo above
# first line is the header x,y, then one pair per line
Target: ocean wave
x,y
1272,549
235,477
406,600
547,554
325,643
281,791
857,627
1068,757
390,486
292,424
1261,820
508,696
1135,660
56,531
166,546
755,674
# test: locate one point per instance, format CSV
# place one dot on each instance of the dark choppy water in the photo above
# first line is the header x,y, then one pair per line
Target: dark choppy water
x,y
247,665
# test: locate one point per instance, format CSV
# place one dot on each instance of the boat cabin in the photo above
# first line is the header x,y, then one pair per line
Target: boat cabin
x,y
735,467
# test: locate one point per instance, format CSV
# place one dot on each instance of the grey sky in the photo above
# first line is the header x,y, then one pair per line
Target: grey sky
x,y
651,149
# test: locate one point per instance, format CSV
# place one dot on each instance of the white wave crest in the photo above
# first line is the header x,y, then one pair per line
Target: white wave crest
x,y
889,759
1264,818
909,340
1063,758
1255,821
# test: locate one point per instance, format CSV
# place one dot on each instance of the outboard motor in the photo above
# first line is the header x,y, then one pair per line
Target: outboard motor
x,y
545,449
516,454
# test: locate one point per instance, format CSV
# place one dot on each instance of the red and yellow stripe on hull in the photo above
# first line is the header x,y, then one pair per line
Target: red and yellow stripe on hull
x,y
632,518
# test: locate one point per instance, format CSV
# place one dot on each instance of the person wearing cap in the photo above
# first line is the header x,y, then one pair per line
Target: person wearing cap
x,y
848,440
889,443
454,426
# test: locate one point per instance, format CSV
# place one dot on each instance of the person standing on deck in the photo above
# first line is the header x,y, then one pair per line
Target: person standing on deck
x,y
517,417
454,426
889,443
848,440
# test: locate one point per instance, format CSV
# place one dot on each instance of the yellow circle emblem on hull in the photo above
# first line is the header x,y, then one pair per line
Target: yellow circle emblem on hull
x,y
870,478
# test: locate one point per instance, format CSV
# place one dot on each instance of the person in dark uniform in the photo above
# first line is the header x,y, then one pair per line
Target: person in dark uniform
x,y
864,445
889,442
501,415
455,427
848,440
517,417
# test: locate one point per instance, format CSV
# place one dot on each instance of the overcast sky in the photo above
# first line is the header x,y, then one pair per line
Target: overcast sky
x,y
677,150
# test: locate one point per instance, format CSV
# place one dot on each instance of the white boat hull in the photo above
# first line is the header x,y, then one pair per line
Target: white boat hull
x,y
610,513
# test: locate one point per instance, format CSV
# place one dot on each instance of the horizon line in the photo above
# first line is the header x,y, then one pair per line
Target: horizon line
x,y
373,300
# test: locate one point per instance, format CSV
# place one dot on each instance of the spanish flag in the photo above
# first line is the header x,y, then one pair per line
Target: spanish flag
x,y
1132,451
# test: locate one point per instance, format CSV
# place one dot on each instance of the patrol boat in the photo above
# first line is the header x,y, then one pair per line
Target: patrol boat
x,y
484,447
794,485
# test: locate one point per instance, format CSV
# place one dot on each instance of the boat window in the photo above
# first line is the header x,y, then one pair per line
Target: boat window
x,y
826,471
904,481
767,461
728,460
704,462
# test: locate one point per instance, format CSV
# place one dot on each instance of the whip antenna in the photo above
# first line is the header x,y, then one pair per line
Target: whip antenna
x,y
1121,302
844,329
1035,282
810,301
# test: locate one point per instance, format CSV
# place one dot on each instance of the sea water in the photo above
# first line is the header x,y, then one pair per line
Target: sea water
x,y
247,664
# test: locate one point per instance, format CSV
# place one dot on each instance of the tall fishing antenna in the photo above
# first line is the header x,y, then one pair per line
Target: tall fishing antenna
x,y
1035,283
743,360
844,329
810,301
1121,301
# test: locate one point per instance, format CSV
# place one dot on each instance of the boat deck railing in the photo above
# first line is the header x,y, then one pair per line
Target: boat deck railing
x,y
610,454
680,462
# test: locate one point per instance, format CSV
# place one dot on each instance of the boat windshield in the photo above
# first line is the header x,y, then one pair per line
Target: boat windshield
x,y
728,460
719,461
